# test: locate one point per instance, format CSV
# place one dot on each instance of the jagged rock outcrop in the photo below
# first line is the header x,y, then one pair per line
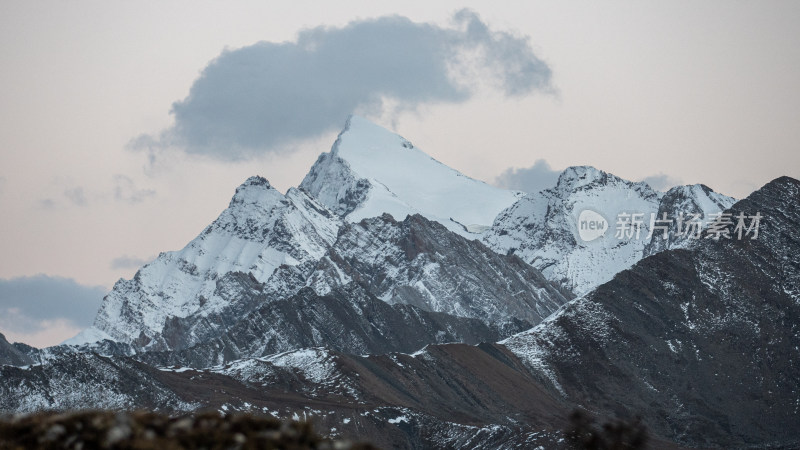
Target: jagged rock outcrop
x,y
346,319
682,206
419,262
11,355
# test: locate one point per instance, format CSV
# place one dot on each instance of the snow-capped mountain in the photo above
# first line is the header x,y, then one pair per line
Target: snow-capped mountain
x,y
371,171
419,249
260,231
701,343
681,205
284,243
551,229
543,228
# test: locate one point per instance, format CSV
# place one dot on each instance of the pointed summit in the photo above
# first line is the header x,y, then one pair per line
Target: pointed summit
x,y
576,178
255,190
580,174
370,171
686,201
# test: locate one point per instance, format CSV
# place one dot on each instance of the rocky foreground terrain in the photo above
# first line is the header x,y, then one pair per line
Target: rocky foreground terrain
x,y
145,430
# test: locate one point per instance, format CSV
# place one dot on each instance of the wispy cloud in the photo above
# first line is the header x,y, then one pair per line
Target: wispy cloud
x,y
76,196
47,203
258,98
532,179
125,190
129,262
662,182
37,305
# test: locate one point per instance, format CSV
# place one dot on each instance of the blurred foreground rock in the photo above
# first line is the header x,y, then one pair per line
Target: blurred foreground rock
x,y
145,430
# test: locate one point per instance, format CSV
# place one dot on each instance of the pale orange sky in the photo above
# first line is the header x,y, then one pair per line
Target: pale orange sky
x,y
699,91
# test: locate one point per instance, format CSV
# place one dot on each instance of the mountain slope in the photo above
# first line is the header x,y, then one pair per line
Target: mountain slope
x,y
260,231
703,343
74,380
441,397
370,171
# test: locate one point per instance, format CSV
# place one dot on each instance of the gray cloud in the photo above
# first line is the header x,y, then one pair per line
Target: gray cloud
x,y
125,190
533,179
47,203
129,262
2,184
76,196
662,182
30,301
258,98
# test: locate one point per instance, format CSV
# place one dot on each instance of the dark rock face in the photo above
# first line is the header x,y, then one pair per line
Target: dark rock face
x,y
347,319
702,343
331,178
419,262
11,355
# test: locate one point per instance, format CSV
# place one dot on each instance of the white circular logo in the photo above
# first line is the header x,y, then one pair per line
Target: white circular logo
x,y
591,225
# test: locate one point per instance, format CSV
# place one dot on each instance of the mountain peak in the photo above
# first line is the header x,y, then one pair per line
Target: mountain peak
x,y
256,180
371,170
689,189
362,138
786,183
255,190
581,178
576,176
542,228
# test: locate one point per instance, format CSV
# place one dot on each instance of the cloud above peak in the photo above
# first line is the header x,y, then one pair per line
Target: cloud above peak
x,y
533,179
260,98
661,181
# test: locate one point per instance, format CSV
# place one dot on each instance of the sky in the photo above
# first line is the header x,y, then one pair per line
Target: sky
x,y
126,126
